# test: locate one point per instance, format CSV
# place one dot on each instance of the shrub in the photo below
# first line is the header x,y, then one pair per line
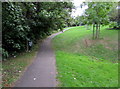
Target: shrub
x,y
113,25
4,54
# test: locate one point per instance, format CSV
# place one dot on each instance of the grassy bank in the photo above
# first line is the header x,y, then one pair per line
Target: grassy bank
x,y
83,62
81,71
13,68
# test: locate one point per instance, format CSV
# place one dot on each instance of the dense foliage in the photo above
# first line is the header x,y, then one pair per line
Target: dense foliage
x,y
27,21
0,31
99,13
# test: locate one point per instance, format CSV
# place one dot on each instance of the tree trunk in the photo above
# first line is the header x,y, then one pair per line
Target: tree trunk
x,y
27,47
98,30
93,31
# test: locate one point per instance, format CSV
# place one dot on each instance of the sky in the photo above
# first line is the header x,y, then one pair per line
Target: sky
x,y
78,11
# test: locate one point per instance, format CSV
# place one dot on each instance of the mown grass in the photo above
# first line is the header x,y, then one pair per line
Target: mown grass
x,y
13,68
83,62
78,40
81,71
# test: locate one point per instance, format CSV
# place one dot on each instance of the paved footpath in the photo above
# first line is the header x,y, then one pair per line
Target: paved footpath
x,y
42,72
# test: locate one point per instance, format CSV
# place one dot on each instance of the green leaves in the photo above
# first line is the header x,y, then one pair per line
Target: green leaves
x,y
17,46
4,53
31,20
97,12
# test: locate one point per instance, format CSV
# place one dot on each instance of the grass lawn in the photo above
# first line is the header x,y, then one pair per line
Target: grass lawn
x,y
13,68
83,62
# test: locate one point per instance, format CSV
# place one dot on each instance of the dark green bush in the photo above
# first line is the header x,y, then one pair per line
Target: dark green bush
x,y
30,21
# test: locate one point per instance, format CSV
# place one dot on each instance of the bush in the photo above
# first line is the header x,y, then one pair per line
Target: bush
x,y
28,20
113,25
4,54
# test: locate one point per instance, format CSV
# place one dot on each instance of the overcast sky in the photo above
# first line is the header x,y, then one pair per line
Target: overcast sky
x,y
78,11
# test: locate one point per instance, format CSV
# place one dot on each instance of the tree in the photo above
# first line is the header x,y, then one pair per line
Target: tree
x,y
31,21
114,16
97,14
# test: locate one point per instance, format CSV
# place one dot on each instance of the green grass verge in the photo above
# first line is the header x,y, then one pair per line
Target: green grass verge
x,y
13,68
83,62
81,71
78,40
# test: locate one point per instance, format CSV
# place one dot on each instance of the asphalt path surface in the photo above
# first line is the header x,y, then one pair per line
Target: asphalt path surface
x,y
42,72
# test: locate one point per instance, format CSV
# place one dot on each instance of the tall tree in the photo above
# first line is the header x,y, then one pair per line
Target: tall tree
x,y
97,14
24,21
